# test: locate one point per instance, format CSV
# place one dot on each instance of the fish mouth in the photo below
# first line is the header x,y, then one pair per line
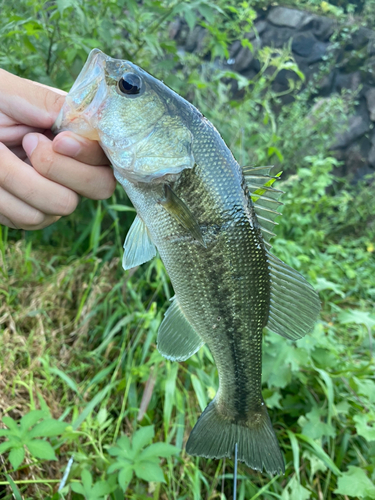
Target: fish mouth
x,y
84,98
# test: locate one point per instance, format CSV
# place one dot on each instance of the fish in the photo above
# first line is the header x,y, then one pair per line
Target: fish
x,y
211,221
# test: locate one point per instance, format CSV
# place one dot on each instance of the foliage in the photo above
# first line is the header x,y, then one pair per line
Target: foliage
x,y
78,335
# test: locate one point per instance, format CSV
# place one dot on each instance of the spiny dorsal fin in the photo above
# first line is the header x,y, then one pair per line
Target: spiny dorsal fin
x,y
264,198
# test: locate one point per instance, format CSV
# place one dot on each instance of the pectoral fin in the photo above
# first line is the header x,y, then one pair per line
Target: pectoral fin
x,y
177,339
138,247
295,304
179,211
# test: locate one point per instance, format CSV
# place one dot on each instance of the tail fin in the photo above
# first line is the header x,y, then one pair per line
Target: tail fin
x,y
215,437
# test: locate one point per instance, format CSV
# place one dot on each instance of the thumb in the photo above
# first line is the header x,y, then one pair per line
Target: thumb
x,y
28,102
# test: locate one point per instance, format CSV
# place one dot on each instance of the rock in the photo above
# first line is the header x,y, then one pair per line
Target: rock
x,y
319,49
174,28
371,156
357,126
245,57
195,39
258,29
360,38
303,44
282,16
350,81
321,27
370,98
276,37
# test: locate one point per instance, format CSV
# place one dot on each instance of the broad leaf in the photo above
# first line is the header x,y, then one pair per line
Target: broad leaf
x,y
11,424
158,450
149,471
41,449
142,437
48,428
31,418
355,483
125,476
16,457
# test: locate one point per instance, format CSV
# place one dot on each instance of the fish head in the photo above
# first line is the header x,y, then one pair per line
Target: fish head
x,y
135,117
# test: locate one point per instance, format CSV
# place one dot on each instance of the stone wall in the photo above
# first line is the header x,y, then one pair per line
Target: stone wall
x,y
351,66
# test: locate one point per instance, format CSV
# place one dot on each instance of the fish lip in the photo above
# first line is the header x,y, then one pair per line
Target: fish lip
x,y
96,61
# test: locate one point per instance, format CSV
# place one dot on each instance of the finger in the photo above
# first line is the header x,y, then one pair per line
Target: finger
x,y
19,152
12,136
6,222
80,148
35,190
28,102
95,182
19,215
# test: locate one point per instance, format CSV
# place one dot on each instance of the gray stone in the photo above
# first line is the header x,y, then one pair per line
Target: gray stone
x,y
277,37
358,125
303,44
360,38
371,156
350,81
195,39
319,49
174,28
245,57
370,98
282,16
321,27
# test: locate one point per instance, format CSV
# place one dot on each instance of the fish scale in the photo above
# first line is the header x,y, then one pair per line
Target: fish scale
x,y
211,222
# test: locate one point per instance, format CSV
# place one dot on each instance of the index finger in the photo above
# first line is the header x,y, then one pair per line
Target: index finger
x,y
29,102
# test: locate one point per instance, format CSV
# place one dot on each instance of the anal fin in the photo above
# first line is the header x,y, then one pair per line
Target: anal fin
x,y
138,247
177,339
295,304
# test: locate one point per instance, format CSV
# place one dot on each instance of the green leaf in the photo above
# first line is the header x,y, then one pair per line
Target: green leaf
x,y
91,405
355,483
125,476
149,471
48,428
365,425
199,391
68,380
11,424
31,418
86,479
320,453
312,425
159,450
142,437
357,317
78,488
16,457
295,490
5,446
41,449
101,488
16,492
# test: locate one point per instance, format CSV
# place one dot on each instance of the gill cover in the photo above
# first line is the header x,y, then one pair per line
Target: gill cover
x,y
134,117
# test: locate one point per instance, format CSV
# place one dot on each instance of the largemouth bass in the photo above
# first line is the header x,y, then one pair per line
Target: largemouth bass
x,y
211,222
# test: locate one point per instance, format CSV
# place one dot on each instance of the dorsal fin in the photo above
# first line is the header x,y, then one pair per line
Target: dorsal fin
x,y
264,198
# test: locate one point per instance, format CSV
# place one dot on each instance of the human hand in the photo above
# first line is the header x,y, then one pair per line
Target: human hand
x,y
41,178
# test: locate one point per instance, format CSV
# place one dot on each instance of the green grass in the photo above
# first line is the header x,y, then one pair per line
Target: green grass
x,y
78,334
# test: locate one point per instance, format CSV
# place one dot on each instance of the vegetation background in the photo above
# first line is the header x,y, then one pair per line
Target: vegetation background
x,y
79,366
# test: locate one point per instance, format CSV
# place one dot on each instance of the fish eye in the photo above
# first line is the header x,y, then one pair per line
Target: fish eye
x,y
129,84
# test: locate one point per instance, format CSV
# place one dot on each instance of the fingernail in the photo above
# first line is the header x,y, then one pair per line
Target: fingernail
x,y
67,146
29,143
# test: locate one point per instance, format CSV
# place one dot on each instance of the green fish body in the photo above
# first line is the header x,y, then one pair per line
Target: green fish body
x,y
195,206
